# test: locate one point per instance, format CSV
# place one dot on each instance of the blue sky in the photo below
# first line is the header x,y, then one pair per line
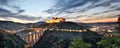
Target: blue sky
x,y
31,11
34,7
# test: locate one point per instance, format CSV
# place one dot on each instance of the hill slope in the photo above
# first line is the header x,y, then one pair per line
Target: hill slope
x,y
62,39
65,25
58,39
9,25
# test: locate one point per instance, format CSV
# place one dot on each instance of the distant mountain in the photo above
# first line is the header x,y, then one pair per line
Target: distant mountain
x,y
41,22
104,23
9,25
99,23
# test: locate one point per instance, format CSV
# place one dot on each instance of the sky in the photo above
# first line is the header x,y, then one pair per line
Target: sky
x,y
86,11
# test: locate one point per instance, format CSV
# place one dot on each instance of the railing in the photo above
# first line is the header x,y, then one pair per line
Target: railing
x,y
70,30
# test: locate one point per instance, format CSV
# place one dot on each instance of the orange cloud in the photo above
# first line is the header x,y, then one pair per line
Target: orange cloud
x,y
102,20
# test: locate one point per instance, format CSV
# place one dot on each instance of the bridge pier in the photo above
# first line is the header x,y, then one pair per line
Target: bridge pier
x,y
30,37
34,39
26,39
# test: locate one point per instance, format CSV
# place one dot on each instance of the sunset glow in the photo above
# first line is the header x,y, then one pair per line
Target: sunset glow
x,y
102,20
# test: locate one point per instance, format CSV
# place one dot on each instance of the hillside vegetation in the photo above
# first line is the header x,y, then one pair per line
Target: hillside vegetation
x,y
63,39
66,39
65,25
58,39
8,40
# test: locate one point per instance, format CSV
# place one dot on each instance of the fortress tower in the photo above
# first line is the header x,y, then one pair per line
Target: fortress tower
x,y
55,20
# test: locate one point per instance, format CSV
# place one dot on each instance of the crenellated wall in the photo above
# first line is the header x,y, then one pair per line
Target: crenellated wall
x,y
55,20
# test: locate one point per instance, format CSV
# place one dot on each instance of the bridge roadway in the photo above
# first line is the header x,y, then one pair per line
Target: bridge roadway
x,y
69,30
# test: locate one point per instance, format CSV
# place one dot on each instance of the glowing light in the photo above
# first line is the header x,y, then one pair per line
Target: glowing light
x,y
50,29
101,20
30,32
80,30
109,30
38,31
84,30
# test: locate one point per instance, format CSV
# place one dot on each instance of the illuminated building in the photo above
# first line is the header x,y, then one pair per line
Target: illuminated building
x,y
55,20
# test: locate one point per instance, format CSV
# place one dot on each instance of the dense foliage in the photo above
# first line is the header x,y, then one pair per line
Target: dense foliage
x,y
70,25
109,42
79,43
58,39
10,41
65,25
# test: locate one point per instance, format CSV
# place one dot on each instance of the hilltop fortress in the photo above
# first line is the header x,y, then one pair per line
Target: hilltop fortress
x,y
55,20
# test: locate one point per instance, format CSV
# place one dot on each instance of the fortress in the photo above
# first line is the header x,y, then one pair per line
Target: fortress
x,y
55,20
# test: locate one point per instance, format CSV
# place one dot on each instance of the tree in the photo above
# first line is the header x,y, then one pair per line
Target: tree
x,y
79,43
119,19
109,42
8,40
119,23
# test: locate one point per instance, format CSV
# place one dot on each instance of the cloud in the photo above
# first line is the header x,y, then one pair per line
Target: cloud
x,y
21,11
18,20
69,9
23,17
89,9
4,2
71,5
4,11
10,5
8,15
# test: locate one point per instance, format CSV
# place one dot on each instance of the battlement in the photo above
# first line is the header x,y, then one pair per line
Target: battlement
x,y
55,20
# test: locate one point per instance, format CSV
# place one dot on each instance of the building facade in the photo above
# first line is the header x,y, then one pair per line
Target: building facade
x,y
55,20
